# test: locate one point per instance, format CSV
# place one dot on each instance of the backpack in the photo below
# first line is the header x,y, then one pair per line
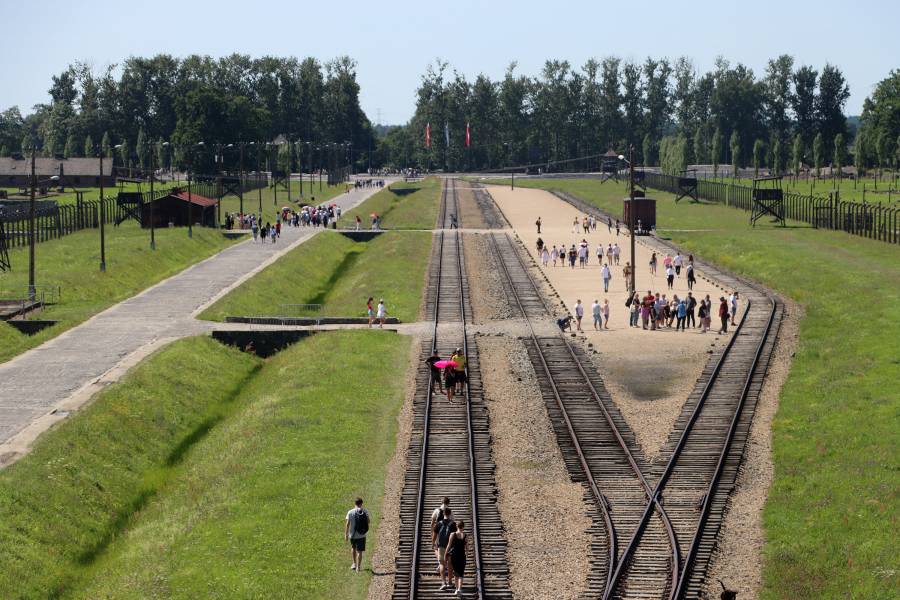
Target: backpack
x,y
444,530
361,525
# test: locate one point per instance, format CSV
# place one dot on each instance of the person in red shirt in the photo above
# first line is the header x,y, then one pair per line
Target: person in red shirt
x,y
723,314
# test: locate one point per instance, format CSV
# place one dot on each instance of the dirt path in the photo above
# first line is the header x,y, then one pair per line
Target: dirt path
x,y
648,373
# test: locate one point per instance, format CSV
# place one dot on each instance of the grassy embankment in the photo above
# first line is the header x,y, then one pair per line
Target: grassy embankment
x,y
71,263
340,274
208,473
401,206
830,519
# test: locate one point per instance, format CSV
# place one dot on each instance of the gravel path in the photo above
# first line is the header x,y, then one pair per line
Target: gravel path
x,y
388,532
738,558
488,301
543,510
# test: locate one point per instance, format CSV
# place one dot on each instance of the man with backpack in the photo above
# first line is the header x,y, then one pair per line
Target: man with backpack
x,y
356,526
440,538
436,517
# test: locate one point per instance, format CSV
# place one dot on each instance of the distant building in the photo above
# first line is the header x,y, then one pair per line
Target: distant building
x,y
173,208
73,172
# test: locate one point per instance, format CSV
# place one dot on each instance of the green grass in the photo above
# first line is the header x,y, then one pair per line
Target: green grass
x,y
61,505
72,264
252,508
401,206
831,516
341,274
823,187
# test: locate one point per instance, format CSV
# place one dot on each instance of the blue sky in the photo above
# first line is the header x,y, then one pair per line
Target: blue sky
x,y
393,41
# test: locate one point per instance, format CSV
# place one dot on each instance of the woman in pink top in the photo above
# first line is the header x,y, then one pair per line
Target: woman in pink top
x,y
667,262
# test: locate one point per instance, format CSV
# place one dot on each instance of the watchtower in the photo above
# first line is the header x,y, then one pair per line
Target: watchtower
x,y
687,185
281,177
609,166
130,206
768,198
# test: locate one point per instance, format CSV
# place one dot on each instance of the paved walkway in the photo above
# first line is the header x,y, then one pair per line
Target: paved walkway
x,y
38,387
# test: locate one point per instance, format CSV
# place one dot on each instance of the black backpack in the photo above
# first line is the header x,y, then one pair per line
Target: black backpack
x,y
445,528
361,526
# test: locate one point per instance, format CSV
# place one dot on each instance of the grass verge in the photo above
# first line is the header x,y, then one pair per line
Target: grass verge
x,y
341,274
258,509
209,473
834,503
72,264
401,205
64,503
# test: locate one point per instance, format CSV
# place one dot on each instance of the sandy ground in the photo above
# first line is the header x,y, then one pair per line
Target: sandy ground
x,y
388,533
549,543
648,373
738,558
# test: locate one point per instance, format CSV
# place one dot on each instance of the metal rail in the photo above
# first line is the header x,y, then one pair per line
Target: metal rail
x,y
598,496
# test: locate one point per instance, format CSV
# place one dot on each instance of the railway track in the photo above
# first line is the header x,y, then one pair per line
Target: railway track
x,y
449,452
665,551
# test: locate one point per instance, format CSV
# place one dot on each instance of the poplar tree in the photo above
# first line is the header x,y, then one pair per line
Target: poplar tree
x,y
88,146
735,144
716,150
840,152
797,154
759,149
818,151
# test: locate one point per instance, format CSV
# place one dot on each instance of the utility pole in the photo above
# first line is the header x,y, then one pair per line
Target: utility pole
x,y
102,220
631,215
32,291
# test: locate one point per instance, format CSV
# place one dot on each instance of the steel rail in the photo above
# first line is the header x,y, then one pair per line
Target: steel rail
x,y
637,471
723,456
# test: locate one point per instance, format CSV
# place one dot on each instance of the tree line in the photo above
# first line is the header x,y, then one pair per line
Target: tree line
x,y
673,116
183,101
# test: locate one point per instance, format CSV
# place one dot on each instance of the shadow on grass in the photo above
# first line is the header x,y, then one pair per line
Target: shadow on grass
x,y
156,479
345,265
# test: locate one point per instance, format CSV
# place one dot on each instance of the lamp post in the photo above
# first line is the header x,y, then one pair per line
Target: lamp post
x,y
310,152
32,289
152,199
630,161
299,145
319,148
190,196
258,175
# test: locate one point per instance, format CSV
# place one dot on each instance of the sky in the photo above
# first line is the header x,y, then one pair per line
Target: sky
x,y
393,42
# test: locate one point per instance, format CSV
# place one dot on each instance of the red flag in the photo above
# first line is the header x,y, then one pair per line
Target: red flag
x,y
428,135
468,136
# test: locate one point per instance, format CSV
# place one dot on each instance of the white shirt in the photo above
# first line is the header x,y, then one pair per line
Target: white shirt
x,y
670,271
605,272
351,517
381,309
595,309
616,250
579,310
677,260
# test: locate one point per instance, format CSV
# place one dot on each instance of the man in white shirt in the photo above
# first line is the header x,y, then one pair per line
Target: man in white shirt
x,y
616,252
733,305
356,526
677,262
595,312
606,274
579,314
381,313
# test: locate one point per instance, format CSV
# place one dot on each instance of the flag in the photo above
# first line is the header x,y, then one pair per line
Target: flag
x,y
428,135
468,136
447,133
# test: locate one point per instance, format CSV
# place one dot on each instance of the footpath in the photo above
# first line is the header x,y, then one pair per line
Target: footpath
x,y
43,385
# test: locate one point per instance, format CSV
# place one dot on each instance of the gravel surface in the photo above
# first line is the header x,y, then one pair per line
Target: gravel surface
x,y
486,296
388,533
548,540
738,558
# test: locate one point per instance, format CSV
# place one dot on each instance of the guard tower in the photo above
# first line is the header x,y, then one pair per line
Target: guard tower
x,y
687,185
280,177
609,166
768,198
130,206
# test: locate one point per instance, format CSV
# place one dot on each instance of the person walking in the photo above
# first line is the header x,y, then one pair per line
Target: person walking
x,y
616,252
460,376
676,262
358,222
382,313
609,253
436,517
538,224
635,311
617,228
545,257
606,274
370,310
723,314
579,314
440,539
449,382
582,255
670,276
647,308
434,371
255,230
356,526
733,302
595,312
263,233
691,305
608,225
653,264
691,280
681,312
600,253
626,272
702,312
554,255
573,254
456,555
605,313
